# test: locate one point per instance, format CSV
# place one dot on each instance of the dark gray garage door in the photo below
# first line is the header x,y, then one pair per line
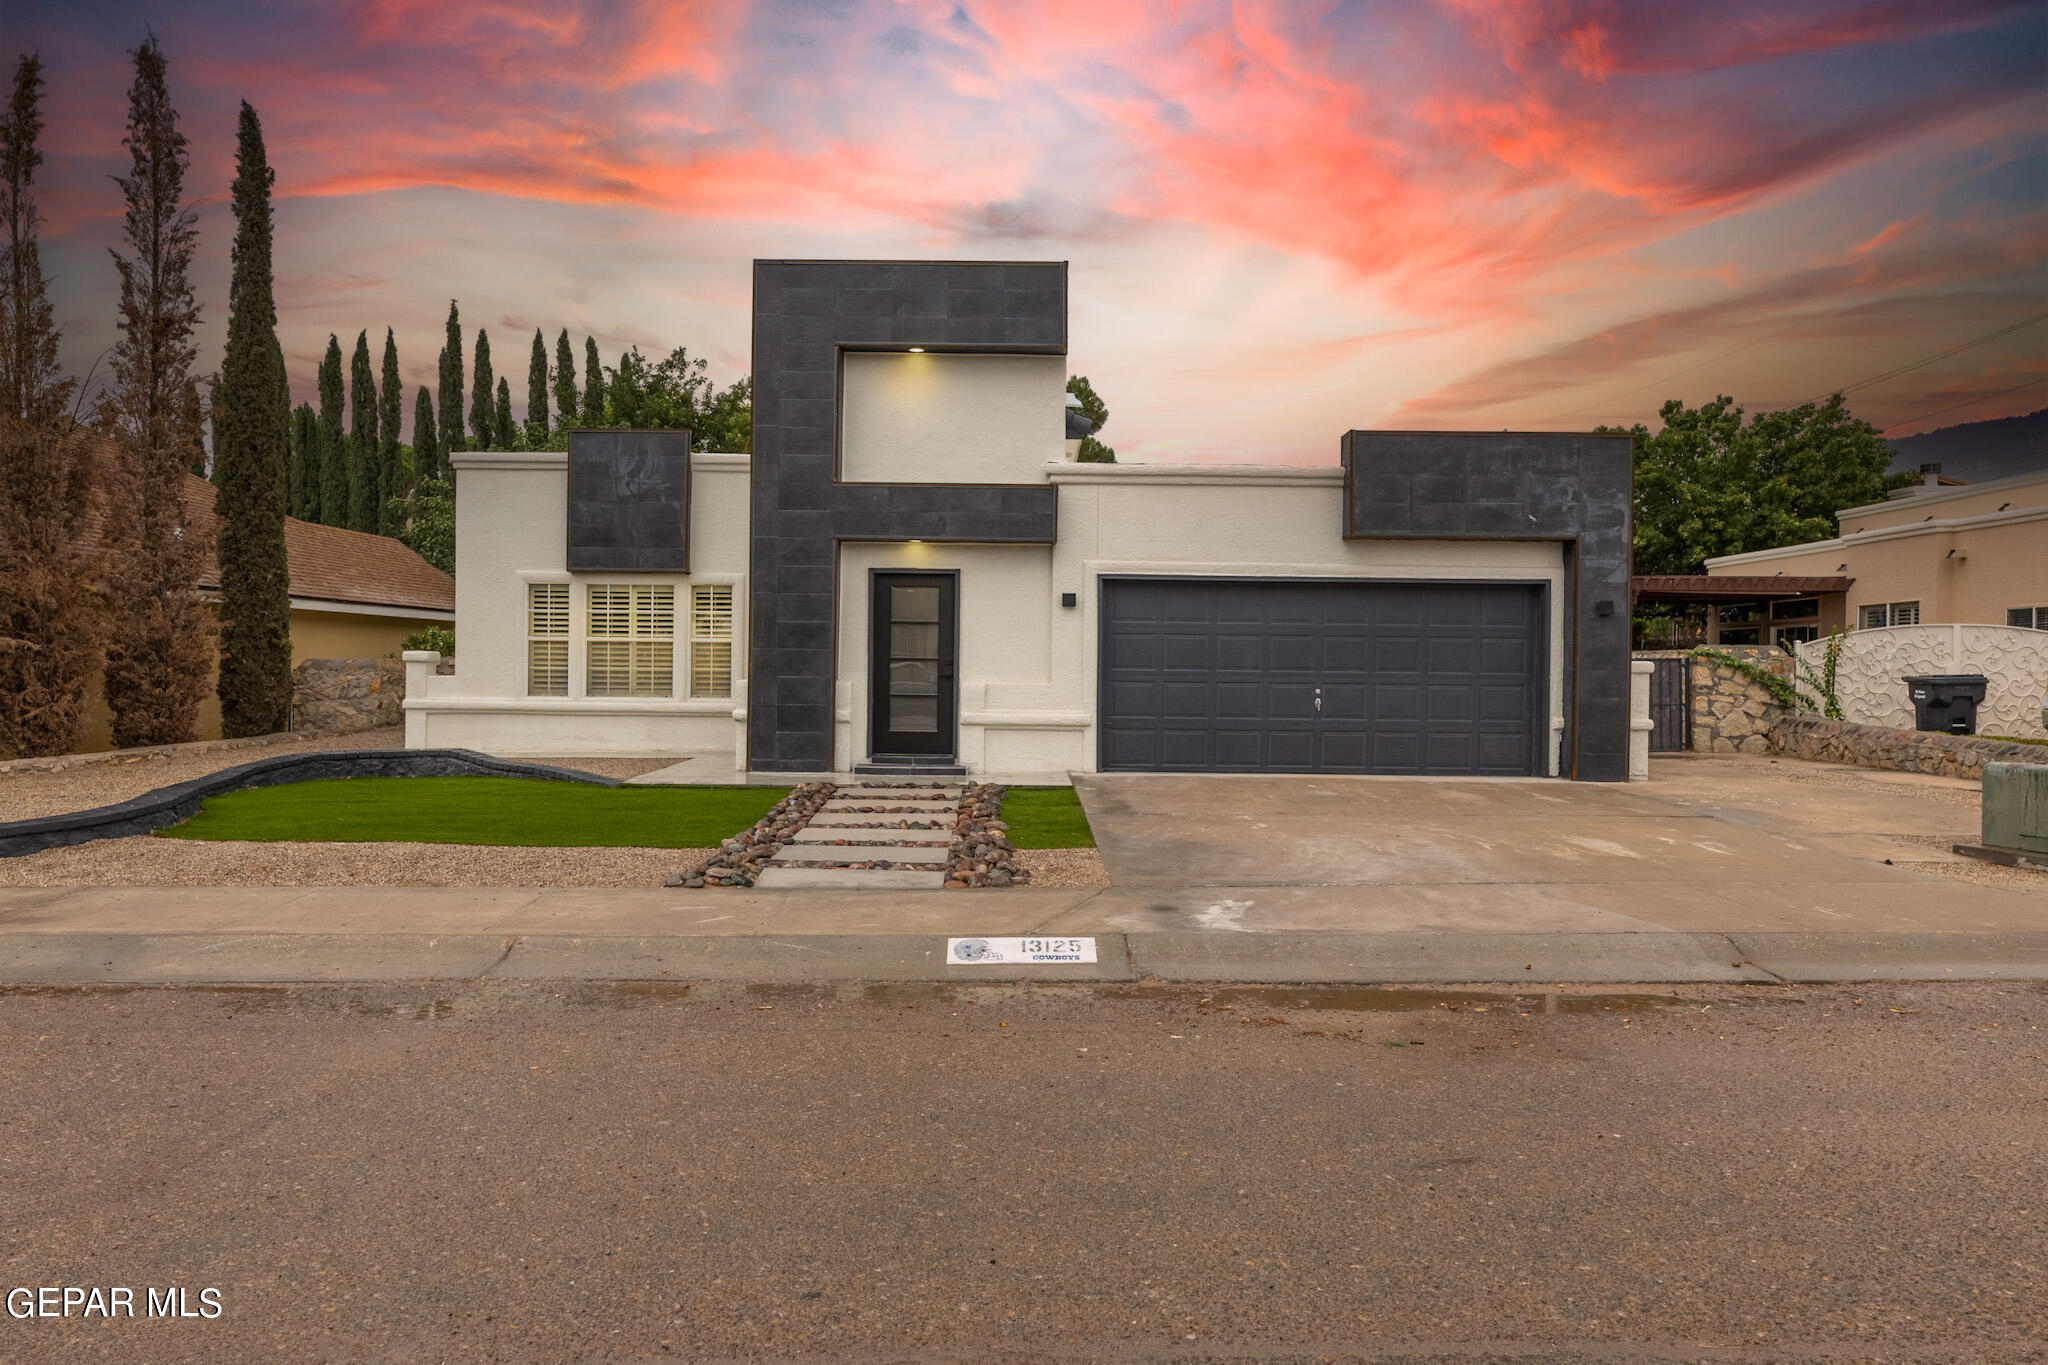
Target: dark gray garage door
x,y
1280,675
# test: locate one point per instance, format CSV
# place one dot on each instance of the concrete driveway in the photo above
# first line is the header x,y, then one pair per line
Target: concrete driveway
x,y
1707,845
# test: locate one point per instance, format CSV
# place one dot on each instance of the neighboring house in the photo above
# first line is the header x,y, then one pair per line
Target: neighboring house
x,y
354,596
911,574
1931,554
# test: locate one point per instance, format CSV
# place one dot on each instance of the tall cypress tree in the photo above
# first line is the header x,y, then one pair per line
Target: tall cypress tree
x,y
362,438
305,455
390,408
255,584
31,388
483,402
48,611
332,504
425,439
448,402
565,380
284,413
161,632
537,394
593,384
504,436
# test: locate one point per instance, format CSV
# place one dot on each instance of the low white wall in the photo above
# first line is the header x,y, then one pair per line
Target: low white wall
x,y
511,530
951,418
2013,660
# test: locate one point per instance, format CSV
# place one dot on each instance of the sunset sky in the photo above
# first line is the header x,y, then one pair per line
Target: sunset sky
x,y
1284,220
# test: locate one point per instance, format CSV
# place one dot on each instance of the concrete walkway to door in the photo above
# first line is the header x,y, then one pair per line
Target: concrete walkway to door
x,y
1707,845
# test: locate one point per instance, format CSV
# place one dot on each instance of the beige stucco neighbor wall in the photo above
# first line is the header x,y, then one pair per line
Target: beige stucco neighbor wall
x,y
2014,662
907,418
511,530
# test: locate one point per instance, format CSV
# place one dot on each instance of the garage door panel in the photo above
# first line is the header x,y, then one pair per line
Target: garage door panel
x,y
1222,675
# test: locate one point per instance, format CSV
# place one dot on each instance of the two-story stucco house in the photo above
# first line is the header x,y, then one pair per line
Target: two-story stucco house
x,y
910,573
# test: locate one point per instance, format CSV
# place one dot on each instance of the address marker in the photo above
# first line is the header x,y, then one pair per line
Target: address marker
x,y
980,952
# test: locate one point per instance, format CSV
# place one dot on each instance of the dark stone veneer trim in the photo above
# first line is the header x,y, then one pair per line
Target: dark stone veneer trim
x,y
180,801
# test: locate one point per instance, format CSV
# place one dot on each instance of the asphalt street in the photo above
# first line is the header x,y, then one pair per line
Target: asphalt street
x,y
536,1171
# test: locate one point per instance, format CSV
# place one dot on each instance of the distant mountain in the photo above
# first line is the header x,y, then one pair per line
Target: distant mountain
x,y
1977,452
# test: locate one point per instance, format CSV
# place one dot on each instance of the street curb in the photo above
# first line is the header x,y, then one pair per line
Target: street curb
x,y
1323,959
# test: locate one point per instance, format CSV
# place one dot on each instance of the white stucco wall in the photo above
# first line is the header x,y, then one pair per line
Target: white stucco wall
x,y
511,529
951,418
1027,666
2013,660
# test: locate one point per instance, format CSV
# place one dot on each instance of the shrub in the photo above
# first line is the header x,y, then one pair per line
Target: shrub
x,y
438,638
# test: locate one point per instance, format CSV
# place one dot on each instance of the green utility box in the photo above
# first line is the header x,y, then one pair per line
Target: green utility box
x,y
2015,815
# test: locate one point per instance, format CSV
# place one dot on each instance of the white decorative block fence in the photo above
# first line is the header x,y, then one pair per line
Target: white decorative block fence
x,y
2014,659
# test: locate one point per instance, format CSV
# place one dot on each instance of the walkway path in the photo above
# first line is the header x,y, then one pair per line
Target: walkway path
x,y
873,838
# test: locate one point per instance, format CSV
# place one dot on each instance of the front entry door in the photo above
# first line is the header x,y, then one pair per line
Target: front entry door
x,y
910,683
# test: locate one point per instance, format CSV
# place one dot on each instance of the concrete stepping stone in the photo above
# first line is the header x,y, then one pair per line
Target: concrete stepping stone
x,y
904,793
894,803
816,834
931,855
775,878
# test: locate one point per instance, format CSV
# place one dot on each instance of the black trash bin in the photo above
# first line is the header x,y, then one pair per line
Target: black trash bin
x,y
1946,701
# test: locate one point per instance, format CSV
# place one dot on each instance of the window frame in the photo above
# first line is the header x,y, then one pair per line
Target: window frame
x,y
639,598
1891,614
2039,617
699,641
536,636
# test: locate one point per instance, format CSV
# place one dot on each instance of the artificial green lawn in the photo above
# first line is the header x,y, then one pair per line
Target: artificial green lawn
x,y
1046,817
481,810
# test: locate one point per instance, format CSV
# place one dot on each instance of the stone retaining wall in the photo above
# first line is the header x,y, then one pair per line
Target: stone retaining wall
x,y
339,696
1728,707
1804,735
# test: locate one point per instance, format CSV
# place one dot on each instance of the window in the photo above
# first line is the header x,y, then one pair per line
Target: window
x,y
711,640
1884,614
632,640
1796,609
2033,618
547,639
1785,635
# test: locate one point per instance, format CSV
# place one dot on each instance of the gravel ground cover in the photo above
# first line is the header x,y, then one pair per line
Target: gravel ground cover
x,y
1063,867
148,861
1920,853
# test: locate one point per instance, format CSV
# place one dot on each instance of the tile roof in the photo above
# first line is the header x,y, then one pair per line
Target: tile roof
x,y
326,563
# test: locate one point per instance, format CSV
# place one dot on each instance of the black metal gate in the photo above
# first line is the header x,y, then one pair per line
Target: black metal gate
x,y
1670,707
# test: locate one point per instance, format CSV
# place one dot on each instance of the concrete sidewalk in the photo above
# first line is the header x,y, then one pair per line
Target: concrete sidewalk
x,y
252,934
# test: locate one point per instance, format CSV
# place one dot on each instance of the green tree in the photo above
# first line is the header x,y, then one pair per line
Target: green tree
x,y
1097,412
565,381
431,530
160,631
1707,484
537,394
331,506
31,388
362,438
504,435
726,423
448,401
483,402
255,609
390,410
425,456
305,456
593,385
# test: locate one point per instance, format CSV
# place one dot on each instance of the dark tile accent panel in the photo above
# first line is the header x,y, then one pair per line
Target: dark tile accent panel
x,y
805,314
1570,486
170,805
629,501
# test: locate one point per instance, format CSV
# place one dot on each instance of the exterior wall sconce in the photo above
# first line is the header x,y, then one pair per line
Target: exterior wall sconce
x,y
1067,599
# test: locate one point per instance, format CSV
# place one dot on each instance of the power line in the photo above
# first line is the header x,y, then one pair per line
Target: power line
x,y
1847,389
1973,398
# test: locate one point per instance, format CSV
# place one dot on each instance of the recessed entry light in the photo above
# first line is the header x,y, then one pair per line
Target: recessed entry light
x,y
917,350
917,542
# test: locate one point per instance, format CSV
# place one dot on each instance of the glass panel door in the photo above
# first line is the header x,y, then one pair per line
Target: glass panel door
x,y
912,673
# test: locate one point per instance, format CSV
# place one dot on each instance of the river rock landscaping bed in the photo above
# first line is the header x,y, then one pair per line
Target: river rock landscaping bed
x,y
739,859
982,855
